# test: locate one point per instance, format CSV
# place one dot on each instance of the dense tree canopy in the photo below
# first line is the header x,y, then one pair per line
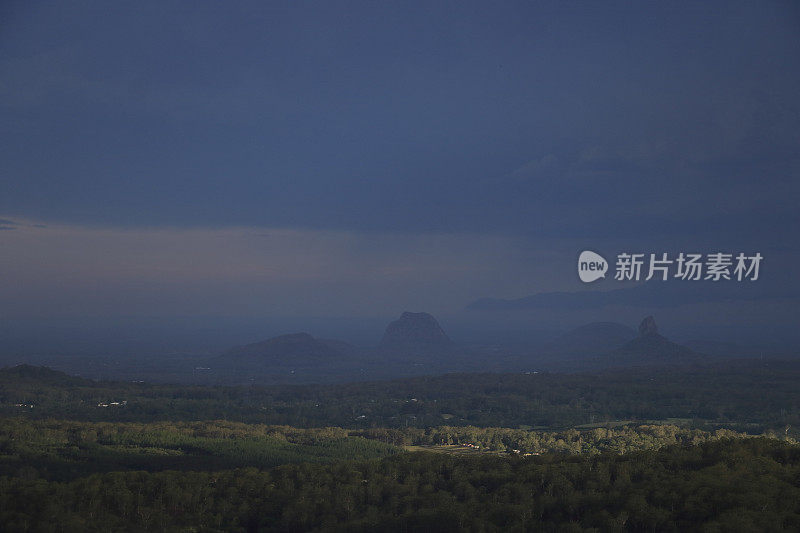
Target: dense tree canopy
x,y
727,485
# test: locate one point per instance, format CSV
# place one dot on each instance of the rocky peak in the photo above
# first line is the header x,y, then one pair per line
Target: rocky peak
x,y
414,330
648,327
651,348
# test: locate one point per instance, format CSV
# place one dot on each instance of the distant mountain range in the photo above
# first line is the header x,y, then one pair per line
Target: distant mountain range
x,y
416,343
411,334
413,344
651,295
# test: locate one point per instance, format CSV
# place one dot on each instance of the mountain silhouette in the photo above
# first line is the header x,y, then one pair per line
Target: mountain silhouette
x,y
415,332
650,347
282,351
25,373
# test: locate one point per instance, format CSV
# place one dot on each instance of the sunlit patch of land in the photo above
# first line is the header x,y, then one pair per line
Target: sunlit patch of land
x,y
456,449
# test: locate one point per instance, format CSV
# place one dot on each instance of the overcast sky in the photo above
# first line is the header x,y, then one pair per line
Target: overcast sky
x,y
361,158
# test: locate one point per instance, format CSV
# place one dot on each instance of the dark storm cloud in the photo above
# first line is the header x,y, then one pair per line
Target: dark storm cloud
x,y
470,117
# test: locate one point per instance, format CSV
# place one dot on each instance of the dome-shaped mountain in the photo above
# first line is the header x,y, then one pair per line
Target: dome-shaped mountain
x,y
297,354
414,331
285,348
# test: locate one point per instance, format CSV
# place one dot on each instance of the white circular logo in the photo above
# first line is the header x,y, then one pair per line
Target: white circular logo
x,y
591,266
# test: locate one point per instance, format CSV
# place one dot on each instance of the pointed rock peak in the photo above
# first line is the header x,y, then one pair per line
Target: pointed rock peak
x,y
648,327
